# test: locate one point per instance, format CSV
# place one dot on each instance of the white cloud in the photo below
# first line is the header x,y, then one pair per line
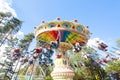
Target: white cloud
x,y
20,33
92,42
5,6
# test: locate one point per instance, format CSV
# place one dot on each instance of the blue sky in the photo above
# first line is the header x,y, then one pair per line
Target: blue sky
x,y
102,16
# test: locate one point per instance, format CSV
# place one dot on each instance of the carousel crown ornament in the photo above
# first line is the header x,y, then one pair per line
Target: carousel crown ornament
x,y
62,35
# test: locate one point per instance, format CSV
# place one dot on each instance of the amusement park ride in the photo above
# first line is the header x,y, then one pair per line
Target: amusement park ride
x,y
56,37
62,36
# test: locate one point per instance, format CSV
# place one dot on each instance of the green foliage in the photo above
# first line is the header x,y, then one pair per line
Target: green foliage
x,y
12,25
27,38
118,42
22,71
9,25
25,42
84,68
7,78
113,66
48,78
4,16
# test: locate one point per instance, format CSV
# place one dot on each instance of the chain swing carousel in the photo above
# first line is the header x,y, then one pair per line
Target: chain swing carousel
x,y
61,36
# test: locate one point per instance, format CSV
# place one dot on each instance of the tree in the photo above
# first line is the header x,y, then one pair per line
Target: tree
x,y
113,66
25,42
118,42
3,17
86,67
8,25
